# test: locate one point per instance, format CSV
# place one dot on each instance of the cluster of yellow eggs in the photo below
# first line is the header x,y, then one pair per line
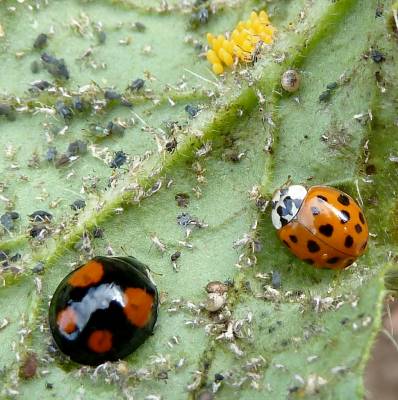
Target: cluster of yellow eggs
x,y
242,44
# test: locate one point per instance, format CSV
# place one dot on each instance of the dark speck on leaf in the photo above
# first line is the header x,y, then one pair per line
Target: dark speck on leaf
x,y
137,85
377,56
41,41
325,96
191,110
118,160
49,385
78,205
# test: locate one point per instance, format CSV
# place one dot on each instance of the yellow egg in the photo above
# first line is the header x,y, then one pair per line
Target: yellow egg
x,y
212,57
226,57
228,46
218,69
253,16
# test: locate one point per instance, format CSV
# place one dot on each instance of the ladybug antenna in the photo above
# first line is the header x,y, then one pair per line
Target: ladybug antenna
x,y
147,267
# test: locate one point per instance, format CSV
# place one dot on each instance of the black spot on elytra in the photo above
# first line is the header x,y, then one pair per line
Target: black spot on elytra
x,y
326,230
313,246
344,216
309,260
358,228
344,200
293,238
315,211
349,241
361,218
286,243
322,198
333,260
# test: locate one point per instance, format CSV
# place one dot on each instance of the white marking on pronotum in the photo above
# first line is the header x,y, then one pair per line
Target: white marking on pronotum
x,y
294,192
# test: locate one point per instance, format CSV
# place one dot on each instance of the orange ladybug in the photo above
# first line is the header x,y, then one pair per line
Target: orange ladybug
x,y
322,225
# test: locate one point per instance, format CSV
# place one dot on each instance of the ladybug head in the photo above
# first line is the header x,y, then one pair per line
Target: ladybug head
x,y
286,204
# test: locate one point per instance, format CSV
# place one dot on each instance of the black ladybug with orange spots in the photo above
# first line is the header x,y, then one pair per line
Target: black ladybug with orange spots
x,y
103,310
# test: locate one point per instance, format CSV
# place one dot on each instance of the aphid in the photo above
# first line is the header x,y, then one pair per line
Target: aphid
x,y
39,232
7,219
98,233
137,85
191,110
199,18
322,225
115,128
41,216
78,104
101,37
112,95
34,67
290,80
331,86
40,85
138,26
78,205
118,160
41,41
64,111
76,147
104,310
54,66
171,145
7,111
377,56
38,268
182,199
325,96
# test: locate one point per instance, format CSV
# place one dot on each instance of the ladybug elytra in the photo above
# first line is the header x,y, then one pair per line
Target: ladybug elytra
x,y
103,310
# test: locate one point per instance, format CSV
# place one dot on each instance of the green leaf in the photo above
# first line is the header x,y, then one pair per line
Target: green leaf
x,y
311,336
